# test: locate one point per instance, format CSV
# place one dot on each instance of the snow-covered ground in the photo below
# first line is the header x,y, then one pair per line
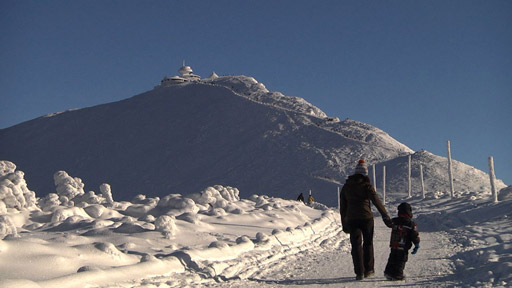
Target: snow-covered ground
x,y
212,238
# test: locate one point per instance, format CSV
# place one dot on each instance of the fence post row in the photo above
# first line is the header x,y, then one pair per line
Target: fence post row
x,y
492,178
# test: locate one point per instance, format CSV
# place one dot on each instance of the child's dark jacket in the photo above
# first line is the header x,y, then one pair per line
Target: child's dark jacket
x,y
403,234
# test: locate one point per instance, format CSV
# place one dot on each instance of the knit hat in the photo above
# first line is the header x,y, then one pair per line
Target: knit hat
x,y
361,168
405,208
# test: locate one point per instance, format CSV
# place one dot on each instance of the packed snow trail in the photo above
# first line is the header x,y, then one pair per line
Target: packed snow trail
x,y
330,265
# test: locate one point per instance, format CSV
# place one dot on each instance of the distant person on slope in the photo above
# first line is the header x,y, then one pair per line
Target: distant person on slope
x,y
301,198
310,198
403,234
357,218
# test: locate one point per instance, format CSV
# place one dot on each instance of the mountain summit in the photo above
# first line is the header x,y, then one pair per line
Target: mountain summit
x,y
190,133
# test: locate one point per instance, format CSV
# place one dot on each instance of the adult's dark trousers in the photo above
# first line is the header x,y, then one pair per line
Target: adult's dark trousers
x,y
396,263
361,239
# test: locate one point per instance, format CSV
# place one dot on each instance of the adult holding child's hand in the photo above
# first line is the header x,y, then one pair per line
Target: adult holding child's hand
x,y
357,218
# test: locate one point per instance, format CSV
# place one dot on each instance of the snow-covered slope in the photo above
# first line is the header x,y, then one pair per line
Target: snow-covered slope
x,y
179,139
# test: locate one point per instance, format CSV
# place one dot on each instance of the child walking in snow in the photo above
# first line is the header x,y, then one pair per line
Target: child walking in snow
x,y
403,234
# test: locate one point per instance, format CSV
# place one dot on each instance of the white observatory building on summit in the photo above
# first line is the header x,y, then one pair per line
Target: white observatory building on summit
x,y
186,75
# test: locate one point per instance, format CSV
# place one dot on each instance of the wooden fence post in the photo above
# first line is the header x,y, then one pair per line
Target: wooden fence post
x,y
422,183
492,177
450,172
409,177
374,177
384,185
339,201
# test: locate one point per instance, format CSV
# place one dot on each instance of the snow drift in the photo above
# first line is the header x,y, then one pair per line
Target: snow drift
x,y
79,242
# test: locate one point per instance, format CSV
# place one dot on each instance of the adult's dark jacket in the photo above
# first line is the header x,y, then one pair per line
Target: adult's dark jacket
x,y
356,195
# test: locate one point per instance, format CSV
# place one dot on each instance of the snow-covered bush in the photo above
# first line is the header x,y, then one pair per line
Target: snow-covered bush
x,y
260,200
189,217
177,202
7,227
128,219
139,210
88,198
138,199
95,211
62,213
217,196
261,237
166,225
3,207
14,192
229,193
243,239
234,210
218,244
68,186
65,201
147,218
277,231
148,226
106,191
49,202
7,167
216,212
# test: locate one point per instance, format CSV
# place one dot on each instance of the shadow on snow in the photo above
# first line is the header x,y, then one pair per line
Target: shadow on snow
x,y
305,281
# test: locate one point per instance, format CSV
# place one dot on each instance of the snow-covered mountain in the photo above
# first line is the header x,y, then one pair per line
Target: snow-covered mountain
x,y
226,130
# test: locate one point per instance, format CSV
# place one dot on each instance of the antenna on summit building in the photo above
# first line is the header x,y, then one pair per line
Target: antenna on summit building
x,y
183,62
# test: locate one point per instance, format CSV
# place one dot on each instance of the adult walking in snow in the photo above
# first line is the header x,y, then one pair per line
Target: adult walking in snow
x,y
301,198
357,218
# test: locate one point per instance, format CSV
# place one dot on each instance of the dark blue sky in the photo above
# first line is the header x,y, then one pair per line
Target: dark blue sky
x,y
423,71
